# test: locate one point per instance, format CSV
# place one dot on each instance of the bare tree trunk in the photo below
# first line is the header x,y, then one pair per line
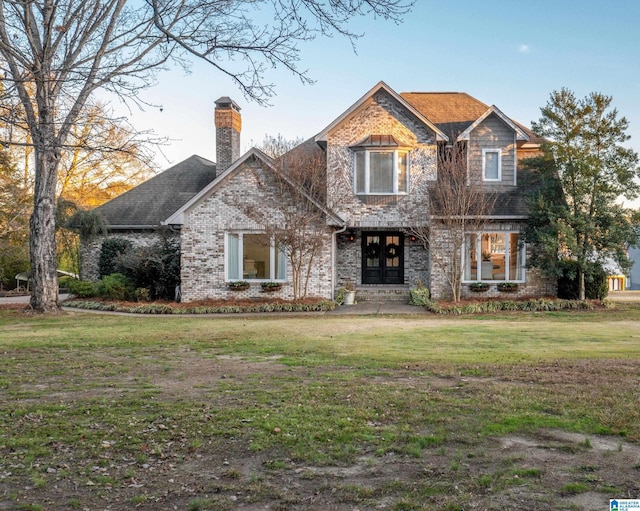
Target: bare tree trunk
x,y
42,240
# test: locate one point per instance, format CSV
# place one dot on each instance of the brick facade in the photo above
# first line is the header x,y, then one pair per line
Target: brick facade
x,y
382,115
228,205
227,210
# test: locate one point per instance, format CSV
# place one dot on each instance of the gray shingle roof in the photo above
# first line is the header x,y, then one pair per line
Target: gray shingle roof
x,y
153,201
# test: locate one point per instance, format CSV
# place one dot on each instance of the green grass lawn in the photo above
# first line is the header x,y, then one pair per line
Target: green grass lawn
x,y
214,413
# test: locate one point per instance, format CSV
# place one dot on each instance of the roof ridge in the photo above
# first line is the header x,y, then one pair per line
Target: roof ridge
x,y
435,92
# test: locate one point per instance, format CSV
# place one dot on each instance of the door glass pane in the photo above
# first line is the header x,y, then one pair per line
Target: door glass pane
x,y
392,252
372,251
380,172
256,250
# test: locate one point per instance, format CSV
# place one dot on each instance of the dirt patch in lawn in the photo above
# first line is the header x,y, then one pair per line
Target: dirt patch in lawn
x,y
194,466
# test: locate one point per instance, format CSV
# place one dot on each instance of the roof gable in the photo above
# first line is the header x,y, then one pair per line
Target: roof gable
x,y
178,216
520,133
440,135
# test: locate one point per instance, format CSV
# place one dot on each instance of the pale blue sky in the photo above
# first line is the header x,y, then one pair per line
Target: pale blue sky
x,y
506,53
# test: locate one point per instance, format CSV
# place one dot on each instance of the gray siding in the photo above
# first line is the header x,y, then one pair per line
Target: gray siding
x,y
493,133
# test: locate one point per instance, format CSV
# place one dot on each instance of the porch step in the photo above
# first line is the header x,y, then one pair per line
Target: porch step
x,y
379,293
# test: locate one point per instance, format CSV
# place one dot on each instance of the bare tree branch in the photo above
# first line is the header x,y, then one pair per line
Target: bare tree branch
x,y
59,52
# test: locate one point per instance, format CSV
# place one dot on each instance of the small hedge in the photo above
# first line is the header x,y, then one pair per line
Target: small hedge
x,y
116,287
419,296
595,281
533,305
157,308
82,288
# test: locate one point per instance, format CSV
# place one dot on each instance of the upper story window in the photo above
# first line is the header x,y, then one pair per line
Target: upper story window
x,y
381,167
491,164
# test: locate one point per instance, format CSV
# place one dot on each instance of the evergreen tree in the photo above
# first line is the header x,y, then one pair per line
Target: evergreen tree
x,y
584,171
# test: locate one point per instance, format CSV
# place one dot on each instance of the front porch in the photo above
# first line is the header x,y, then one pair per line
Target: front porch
x,y
382,264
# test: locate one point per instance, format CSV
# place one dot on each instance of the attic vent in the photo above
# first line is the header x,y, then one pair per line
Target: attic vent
x,y
373,141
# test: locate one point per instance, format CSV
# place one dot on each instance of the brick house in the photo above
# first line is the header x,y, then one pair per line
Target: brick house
x,y
381,159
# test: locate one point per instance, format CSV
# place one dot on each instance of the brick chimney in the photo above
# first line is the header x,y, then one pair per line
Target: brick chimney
x,y
228,127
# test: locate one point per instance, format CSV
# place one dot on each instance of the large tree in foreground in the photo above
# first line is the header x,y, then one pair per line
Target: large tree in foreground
x,y
57,53
584,171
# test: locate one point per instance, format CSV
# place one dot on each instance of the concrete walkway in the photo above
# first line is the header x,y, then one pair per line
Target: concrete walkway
x,y
25,298
624,296
364,308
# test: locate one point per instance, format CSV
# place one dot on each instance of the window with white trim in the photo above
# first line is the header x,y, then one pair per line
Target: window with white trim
x,y
491,164
254,256
381,172
493,256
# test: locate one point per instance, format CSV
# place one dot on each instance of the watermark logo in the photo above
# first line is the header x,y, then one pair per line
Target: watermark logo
x,y
624,505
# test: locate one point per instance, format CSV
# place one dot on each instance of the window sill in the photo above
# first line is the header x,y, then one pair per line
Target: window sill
x,y
380,194
468,282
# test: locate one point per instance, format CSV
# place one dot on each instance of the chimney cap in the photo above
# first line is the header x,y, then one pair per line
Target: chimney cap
x,y
227,102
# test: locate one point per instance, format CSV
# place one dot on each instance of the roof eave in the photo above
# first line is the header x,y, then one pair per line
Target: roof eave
x,y
177,218
128,227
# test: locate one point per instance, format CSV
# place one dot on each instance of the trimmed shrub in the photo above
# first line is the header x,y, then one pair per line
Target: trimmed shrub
x,y
154,308
156,268
533,305
595,281
110,250
82,288
419,296
116,287
141,294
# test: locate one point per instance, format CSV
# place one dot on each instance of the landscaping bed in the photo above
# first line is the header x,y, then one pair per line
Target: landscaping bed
x,y
203,306
481,306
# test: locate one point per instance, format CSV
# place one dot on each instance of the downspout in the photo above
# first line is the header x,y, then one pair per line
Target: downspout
x,y
334,243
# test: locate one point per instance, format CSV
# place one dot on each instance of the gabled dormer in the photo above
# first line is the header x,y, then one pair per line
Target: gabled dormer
x,y
381,151
492,142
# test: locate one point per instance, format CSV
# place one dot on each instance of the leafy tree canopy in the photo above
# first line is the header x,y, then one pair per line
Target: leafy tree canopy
x,y
583,171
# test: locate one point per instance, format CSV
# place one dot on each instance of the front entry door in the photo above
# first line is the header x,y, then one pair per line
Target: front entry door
x,y
382,258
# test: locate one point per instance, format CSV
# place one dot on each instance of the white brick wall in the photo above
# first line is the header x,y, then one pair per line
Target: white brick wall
x,y
380,116
203,238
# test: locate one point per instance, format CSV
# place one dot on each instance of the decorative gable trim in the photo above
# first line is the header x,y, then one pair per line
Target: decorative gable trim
x,y
322,136
179,216
520,133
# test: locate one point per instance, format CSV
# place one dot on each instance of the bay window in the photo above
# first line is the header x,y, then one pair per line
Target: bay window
x,y
381,166
493,256
254,256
